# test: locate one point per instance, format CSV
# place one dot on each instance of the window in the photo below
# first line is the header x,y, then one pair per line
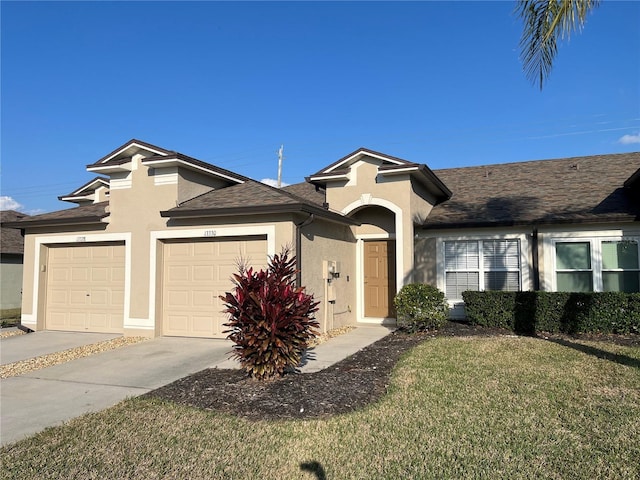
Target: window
x,y
620,269
481,265
573,267
602,265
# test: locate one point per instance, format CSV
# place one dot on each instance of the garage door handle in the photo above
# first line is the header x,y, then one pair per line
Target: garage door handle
x,y
88,295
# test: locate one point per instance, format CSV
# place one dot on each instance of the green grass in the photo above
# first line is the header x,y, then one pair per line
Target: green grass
x,y
504,407
10,317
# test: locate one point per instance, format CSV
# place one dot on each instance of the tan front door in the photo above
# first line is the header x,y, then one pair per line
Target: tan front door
x,y
85,288
379,278
195,274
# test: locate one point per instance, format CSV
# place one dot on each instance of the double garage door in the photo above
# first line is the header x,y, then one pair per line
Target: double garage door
x,y
85,288
195,274
85,285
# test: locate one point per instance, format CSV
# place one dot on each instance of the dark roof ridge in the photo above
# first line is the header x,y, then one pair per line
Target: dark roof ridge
x,y
529,162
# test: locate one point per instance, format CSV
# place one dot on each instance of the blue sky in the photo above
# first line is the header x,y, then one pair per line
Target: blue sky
x,y
439,83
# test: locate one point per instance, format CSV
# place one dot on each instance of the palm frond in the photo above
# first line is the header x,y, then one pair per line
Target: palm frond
x,y
546,22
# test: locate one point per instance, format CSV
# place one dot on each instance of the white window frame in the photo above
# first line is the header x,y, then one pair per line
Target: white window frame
x,y
523,246
595,245
590,270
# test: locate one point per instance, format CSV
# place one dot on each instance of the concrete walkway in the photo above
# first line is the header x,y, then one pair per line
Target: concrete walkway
x,y
36,400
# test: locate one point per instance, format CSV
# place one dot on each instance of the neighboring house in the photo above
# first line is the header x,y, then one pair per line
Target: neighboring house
x,y
11,253
156,238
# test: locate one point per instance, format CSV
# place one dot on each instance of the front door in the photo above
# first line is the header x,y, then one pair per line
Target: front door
x,y
379,278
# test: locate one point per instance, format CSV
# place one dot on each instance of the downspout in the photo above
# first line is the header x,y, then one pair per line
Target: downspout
x,y
299,227
535,261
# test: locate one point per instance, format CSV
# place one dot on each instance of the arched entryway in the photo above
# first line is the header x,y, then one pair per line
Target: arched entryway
x,y
376,261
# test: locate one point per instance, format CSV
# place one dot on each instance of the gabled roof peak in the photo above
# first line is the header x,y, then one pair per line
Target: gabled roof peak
x,y
356,155
129,149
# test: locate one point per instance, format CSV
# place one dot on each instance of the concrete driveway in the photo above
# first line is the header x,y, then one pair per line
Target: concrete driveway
x,y
33,401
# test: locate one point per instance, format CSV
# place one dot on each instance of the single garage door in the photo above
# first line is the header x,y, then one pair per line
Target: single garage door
x,y
195,274
85,288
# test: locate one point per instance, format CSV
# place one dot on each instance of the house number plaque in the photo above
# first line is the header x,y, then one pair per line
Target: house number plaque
x,y
209,233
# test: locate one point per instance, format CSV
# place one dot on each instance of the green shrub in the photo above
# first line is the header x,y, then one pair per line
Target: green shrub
x,y
421,307
529,312
490,308
271,320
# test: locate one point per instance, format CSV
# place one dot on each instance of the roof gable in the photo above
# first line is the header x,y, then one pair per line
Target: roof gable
x,y
86,191
388,166
126,151
634,180
348,160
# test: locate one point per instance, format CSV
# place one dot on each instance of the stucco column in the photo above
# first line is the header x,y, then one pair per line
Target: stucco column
x,y
408,250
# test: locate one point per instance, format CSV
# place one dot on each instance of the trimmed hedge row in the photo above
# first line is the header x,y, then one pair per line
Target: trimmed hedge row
x,y
529,312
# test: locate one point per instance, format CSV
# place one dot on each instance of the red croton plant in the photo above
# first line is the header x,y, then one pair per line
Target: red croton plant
x,y
271,320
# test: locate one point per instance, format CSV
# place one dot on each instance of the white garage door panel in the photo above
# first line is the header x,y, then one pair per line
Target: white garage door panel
x,y
85,288
195,274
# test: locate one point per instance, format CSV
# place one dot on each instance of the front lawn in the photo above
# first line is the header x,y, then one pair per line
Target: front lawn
x,y
478,407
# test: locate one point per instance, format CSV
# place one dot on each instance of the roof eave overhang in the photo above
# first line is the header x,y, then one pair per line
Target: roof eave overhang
x,y
528,223
88,220
76,198
126,167
260,210
323,179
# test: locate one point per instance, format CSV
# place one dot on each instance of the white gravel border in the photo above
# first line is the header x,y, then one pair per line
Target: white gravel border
x,y
51,359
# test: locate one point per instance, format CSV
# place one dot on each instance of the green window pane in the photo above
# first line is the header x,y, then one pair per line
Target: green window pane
x,y
622,255
574,282
573,256
628,282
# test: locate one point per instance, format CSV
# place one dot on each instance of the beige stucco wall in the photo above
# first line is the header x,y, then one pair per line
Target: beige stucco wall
x,y
191,184
323,240
425,266
374,220
135,219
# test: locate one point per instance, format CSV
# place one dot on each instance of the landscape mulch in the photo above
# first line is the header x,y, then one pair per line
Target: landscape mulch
x,y
348,385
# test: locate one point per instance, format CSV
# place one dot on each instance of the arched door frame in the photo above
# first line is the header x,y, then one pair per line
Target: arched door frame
x,y
368,201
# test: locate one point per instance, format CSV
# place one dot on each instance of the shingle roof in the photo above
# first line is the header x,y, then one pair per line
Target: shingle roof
x,y
569,190
93,213
250,198
11,240
308,191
